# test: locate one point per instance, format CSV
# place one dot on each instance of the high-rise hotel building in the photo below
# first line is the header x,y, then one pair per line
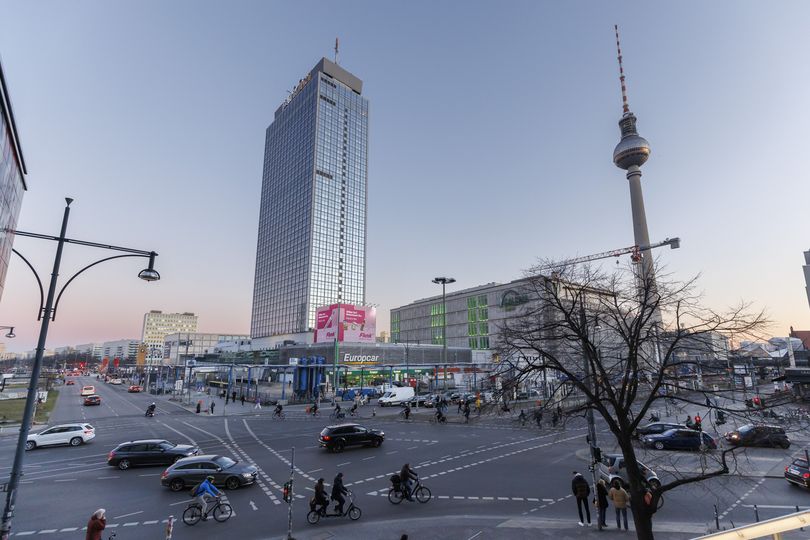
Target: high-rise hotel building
x,y
157,325
12,178
312,224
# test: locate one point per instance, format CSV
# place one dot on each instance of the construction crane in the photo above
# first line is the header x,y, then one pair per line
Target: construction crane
x,y
634,251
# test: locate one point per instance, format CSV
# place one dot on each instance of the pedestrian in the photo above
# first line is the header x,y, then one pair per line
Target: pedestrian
x,y
242,399
708,402
620,498
460,406
581,490
97,523
477,403
212,406
199,406
233,397
257,403
467,413
559,411
602,502
226,398
698,421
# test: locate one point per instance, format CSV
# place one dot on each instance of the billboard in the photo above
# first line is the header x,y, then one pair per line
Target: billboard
x,y
356,324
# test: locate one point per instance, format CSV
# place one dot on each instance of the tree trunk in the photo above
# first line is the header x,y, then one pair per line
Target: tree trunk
x,y
642,519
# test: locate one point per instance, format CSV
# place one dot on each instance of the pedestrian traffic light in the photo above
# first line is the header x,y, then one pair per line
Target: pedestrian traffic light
x,y
287,491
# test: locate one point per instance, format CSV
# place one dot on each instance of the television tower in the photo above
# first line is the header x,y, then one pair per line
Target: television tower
x,y
630,154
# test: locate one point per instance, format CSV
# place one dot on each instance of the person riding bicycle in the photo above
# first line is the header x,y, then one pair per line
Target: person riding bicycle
x,y
407,411
440,416
353,410
319,500
407,477
337,410
206,487
150,410
279,410
314,409
338,491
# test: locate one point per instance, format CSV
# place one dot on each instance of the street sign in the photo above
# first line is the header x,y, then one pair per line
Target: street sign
x,y
293,361
3,488
178,385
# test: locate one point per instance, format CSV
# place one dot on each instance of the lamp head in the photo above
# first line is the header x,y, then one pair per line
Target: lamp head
x,y
150,274
11,333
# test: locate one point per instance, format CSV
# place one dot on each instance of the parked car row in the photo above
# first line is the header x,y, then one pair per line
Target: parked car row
x,y
667,435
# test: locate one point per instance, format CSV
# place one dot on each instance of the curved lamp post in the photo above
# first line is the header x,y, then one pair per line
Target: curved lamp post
x,y
10,334
444,281
46,314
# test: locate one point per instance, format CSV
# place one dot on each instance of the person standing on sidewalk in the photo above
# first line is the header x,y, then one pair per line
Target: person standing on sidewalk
x,y
620,499
602,502
581,490
199,406
211,408
242,399
233,397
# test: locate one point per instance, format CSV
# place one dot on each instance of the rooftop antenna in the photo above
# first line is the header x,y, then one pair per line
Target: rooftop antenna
x,y
336,50
625,106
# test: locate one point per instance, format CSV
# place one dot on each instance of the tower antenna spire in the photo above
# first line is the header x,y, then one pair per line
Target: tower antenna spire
x,y
336,50
625,106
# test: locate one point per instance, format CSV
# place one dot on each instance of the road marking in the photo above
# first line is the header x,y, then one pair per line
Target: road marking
x,y
127,515
475,535
179,502
344,464
106,477
253,505
67,529
186,437
392,452
151,522
130,524
368,458
314,471
774,506
150,474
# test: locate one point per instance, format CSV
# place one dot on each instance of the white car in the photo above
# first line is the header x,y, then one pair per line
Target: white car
x,y
116,381
87,391
72,434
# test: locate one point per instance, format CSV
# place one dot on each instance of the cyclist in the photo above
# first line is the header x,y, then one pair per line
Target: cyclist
x,y
314,409
353,410
338,491
319,501
279,410
337,410
206,487
440,418
407,411
150,410
407,477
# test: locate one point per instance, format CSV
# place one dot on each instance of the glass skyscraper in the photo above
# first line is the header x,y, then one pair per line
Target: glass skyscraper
x,y
311,247
12,178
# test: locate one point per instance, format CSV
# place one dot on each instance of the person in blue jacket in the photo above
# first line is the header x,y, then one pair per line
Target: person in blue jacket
x,y
206,487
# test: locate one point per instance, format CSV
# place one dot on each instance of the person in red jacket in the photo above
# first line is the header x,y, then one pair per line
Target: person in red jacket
x,y
96,524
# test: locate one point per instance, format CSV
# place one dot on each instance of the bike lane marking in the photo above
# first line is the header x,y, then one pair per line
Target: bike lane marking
x,y
264,477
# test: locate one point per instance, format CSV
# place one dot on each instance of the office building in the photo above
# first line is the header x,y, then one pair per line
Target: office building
x,y
311,248
124,350
179,347
12,177
157,325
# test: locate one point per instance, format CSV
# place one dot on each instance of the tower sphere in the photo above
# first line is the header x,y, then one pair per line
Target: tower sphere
x,y
633,149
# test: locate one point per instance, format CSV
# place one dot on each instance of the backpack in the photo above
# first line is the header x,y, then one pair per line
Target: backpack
x,y
193,492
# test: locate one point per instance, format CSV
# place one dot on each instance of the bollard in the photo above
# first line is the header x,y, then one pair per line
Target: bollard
x,y
716,518
797,510
169,528
756,513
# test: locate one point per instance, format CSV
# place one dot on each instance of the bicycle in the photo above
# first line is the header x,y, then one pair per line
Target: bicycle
x,y
352,511
278,416
337,416
397,492
193,512
403,416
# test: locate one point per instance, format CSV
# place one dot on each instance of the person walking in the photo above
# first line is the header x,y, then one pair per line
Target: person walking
x,y
233,397
199,406
581,490
620,498
467,412
602,502
211,408
460,406
242,399
96,524
257,403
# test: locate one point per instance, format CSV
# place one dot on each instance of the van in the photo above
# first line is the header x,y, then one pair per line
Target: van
x,y
396,396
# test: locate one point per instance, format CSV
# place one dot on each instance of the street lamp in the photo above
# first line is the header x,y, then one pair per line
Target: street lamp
x,y
444,281
47,313
10,334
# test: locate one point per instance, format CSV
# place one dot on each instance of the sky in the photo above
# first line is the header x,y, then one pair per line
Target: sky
x,y
492,128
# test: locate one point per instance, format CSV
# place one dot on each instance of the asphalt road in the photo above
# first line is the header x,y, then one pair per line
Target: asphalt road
x,y
490,479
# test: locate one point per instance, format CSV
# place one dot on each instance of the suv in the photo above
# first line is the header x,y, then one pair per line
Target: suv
x,y
72,434
149,452
612,468
759,435
336,438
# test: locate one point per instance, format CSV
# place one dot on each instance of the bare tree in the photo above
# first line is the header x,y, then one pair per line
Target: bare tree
x,y
616,339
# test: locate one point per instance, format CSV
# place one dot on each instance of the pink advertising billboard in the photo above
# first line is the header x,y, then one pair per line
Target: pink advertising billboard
x,y
357,324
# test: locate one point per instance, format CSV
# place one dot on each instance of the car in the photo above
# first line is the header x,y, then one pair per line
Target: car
x,y
758,435
72,434
612,469
190,471
679,439
87,391
421,400
135,388
336,438
92,400
396,396
531,393
656,427
116,381
149,452
70,382
798,473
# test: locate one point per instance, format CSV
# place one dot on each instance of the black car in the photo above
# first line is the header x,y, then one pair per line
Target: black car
x,y
759,435
656,427
188,472
336,438
798,473
149,452
421,400
679,439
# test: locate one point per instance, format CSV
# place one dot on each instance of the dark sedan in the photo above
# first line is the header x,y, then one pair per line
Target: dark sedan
x,y
149,452
679,439
798,473
759,435
336,438
92,400
190,471
657,427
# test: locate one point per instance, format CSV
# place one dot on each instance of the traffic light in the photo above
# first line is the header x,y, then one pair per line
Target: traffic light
x,y
597,454
287,492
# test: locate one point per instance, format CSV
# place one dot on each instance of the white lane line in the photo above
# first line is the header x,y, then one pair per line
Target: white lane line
x,y
67,529
151,522
186,437
130,514
344,464
150,474
314,471
26,533
475,535
130,524
393,452
106,477
66,480
368,458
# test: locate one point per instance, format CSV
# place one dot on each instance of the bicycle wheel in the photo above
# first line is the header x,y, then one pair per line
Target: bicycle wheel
x,y
222,512
313,517
394,496
423,494
192,515
354,513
